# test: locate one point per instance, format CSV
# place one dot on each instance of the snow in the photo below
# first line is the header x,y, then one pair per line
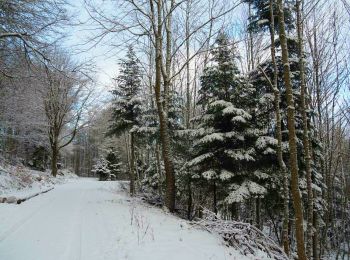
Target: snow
x,y
244,191
220,103
202,131
266,98
20,182
241,156
200,159
264,141
101,167
239,194
234,134
269,150
239,119
209,174
91,220
231,110
263,21
211,138
261,175
245,237
226,175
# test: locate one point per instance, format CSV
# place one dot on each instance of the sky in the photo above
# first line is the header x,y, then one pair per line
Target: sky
x,y
102,55
77,44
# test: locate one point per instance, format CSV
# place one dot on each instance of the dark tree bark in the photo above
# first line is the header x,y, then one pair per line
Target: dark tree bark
x,y
132,165
54,159
215,207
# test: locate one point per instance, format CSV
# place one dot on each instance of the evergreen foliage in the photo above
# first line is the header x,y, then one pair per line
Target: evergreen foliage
x,y
114,163
102,170
127,101
224,148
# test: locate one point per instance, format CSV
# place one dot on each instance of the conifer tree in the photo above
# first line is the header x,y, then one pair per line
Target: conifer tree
x,y
101,169
225,143
114,162
127,105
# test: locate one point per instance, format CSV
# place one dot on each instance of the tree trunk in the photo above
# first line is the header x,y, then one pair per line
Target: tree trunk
x,y
297,202
132,165
250,44
258,213
215,208
54,160
159,170
168,163
189,200
188,95
253,212
162,107
315,238
306,143
281,163
126,139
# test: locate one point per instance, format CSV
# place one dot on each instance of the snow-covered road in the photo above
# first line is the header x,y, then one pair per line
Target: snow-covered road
x,y
90,220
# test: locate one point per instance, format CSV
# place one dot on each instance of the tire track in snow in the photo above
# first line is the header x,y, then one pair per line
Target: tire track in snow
x,y
74,248
75,243
80,219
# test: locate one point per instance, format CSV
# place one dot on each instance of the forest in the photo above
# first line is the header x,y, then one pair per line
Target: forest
x,y
236,109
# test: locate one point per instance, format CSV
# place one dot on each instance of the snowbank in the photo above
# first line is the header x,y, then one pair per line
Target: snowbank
x,y
19,183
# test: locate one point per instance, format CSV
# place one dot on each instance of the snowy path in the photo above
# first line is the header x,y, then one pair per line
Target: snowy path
x,y
90,220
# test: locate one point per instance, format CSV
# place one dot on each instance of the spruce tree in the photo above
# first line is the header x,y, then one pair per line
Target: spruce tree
x,y
224,146
127,105
101,169
114,163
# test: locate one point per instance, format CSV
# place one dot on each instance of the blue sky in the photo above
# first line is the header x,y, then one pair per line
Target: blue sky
x,y
76,44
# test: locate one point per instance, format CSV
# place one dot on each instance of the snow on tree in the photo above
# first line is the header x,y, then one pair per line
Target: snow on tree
x,y
114,163
149,133
260,21
261,18
127,101
101,169
127,105
224,143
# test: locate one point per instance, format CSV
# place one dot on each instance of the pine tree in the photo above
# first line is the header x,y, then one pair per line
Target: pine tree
x,y
127,105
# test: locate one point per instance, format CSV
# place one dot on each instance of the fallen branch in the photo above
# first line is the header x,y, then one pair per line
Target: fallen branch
x,y
14,200
244,237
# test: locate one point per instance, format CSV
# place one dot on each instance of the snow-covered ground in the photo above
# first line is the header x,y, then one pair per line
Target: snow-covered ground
x,y
20,182
90,220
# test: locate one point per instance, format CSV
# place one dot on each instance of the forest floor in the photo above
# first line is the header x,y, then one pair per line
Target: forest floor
x,y
90,220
